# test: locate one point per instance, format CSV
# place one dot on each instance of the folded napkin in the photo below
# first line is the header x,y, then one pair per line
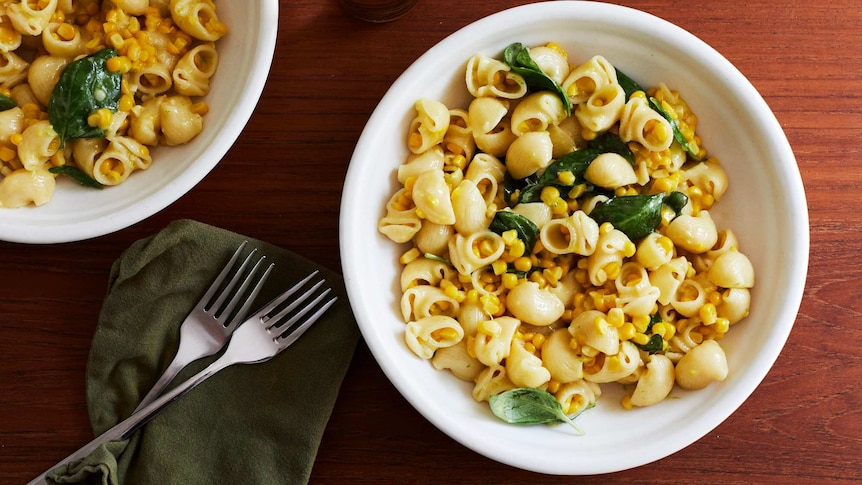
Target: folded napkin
x,y
248,424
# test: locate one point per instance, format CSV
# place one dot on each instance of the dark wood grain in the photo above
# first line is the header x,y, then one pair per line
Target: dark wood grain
x,y
802,425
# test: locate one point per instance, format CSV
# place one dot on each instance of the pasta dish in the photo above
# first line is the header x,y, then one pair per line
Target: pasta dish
x,y
559,235
89,87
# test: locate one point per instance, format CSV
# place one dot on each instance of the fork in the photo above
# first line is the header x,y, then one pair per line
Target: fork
x,y
261,337
210,324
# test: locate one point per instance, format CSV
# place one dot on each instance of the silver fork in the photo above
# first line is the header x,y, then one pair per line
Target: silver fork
x,y
261,337
208,326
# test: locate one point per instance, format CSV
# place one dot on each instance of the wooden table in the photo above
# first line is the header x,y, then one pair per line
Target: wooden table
x,y
802,425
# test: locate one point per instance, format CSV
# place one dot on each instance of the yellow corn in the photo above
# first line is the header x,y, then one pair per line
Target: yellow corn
x,y
15,139
509,236
445,333
509,281
119,64
708,314
523,264
553,386
612,270
127,102
549,195
626,401
411,255
101,119
566,177
538,340
7,154
499,267
65,32
489,327
626,331
616,317
640,339
201,108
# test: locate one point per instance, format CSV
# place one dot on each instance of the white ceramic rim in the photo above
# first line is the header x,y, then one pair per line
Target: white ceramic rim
x,y
262,31
354,240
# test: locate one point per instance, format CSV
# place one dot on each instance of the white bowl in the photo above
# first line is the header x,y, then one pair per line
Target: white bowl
x,y
76,213
765,206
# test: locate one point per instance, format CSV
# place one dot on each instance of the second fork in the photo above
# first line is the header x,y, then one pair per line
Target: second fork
x,y
214,318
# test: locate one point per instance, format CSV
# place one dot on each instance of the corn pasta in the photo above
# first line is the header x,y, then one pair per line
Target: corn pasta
x,y
162,53
562,239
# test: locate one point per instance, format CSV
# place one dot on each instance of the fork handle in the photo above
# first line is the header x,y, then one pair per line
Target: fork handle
x,y
125,428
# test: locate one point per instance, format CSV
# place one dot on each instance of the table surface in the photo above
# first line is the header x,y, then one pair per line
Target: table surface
x,y
802,424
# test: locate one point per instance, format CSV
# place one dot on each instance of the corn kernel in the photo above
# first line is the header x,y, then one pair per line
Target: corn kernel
x,y
626,401
616,317
523,264
626,331
566,177
409,256
499,267
549,195
445,333
201,108
708,314
640,339
489,327
7,154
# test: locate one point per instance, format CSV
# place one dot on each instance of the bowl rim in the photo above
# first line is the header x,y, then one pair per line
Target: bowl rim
x,y
349,232
139,208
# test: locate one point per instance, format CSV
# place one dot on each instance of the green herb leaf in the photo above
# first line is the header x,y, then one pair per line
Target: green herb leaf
x,y
676,200
655,344
439,259
527,405
628,84
77,175
517,56
677,134
609,143
526,229
530,189
636,215
6,103
84,86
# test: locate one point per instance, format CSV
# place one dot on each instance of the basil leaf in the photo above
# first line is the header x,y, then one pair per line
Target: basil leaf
x,y
517,56
676,200
677,135
655,344
628,84
77,175
635,215
84,86
527,405
6,102
576,162
527,231
607,142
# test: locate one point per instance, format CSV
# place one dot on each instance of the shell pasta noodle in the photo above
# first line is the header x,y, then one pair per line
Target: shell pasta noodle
x,y
558,234
89,88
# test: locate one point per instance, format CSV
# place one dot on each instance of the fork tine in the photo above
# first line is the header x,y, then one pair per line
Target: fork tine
x,y
216,305
295,303
239,316
288,340
226,308
214,286
284,296
284,326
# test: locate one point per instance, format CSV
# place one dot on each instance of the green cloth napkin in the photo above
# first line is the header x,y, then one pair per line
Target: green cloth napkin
x,y
248,424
